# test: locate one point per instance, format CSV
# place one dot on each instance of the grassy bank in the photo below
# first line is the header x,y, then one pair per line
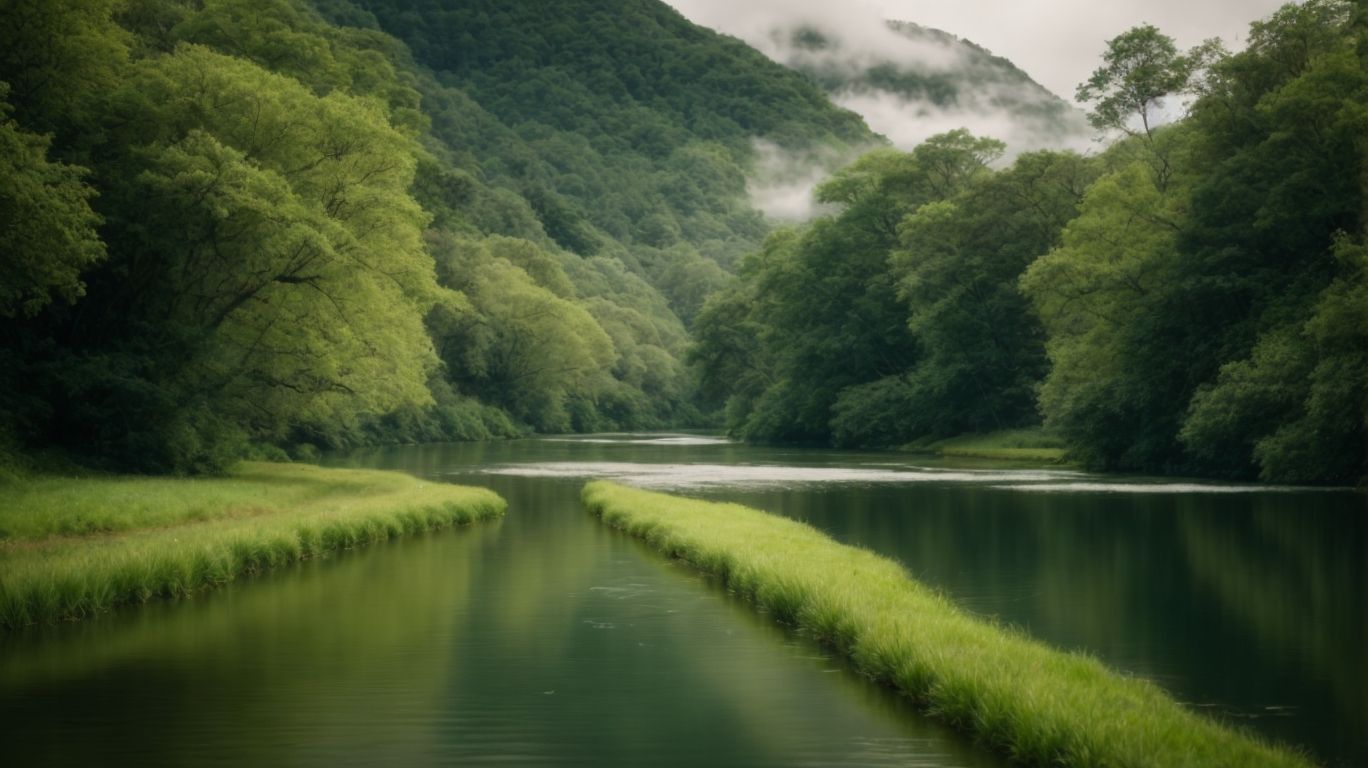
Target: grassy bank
x,y
70,547
1016,695
1033,445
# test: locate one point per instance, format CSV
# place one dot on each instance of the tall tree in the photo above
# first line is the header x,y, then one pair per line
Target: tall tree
x,y
50,232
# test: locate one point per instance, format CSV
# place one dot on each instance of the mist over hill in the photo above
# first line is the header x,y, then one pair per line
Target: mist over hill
x,y
909,83
929,82
242,226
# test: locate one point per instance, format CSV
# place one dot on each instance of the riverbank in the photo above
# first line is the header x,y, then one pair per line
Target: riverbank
x,y
1028,445
73,547
1015,695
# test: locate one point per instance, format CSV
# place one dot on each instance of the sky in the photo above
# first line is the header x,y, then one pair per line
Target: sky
x,y
1057,42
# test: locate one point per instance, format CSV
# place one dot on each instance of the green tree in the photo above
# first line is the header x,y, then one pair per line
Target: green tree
x,y
824,303
517,345
1296,408
1115,266
266,267
1140,68
58,57
958,267
50,233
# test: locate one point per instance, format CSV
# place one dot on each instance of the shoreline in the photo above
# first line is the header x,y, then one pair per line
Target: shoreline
x,y
71,548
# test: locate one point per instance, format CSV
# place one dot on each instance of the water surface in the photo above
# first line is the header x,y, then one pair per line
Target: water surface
x,y
545,639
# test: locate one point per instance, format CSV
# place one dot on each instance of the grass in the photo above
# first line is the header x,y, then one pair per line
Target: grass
x,y
1033,445
1019,697
72,547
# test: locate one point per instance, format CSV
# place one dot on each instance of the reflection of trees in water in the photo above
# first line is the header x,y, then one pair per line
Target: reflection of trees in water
x,y
637,648
1071,571
1237,601
298,659
1297,582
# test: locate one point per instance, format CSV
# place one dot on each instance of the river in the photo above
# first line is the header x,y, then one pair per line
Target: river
x,y
547,639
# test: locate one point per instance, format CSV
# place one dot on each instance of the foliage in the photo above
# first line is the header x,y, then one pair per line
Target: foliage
x,y
1181,308
50,233
1187,301
897,317
252,223
58,57
640,140
243,225
1113,259
983,350
1141,67
1296,407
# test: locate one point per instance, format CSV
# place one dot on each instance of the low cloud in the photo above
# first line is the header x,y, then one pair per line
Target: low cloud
x,y
782,183
907,123
938,84
855,25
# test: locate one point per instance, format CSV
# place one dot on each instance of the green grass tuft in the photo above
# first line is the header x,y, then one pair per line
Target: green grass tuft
x,y
71,548
1017,696
1030,445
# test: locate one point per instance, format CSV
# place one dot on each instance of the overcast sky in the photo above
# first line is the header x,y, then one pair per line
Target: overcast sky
x,y
1057,42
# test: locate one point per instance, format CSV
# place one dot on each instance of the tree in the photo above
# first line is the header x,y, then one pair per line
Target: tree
x,y
1109,391
823,301
1296,408
1141,67
266,268
958,268
57,56
518,344
50,233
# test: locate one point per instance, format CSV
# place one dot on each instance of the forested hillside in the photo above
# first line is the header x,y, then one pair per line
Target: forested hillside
x,y
237,227
938,81
238,224
1192,300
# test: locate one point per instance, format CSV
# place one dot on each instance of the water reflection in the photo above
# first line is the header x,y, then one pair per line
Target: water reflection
x,y
548,639
544,639
1251,606
1248,602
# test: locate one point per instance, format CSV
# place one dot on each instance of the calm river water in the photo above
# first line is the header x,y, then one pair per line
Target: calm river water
x,y
546,639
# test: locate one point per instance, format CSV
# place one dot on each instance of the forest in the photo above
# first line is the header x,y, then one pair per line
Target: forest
x,y
1190,300
260,228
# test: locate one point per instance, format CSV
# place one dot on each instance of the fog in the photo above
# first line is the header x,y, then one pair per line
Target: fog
x,y
782,183
858,27
1058,42
857,38
907,123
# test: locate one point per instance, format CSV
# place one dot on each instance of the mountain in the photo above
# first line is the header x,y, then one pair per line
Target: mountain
x,y
263,223
910,82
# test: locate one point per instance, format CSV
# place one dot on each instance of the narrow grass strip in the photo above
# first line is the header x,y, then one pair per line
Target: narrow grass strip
x,y
262,516
1037,705
1028,445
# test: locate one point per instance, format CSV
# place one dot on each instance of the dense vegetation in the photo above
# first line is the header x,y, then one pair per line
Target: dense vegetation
x,y
233,227
1193,299
1015,695
232,224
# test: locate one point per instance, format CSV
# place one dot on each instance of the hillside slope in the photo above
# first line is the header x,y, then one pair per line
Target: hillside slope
x,y
284,222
